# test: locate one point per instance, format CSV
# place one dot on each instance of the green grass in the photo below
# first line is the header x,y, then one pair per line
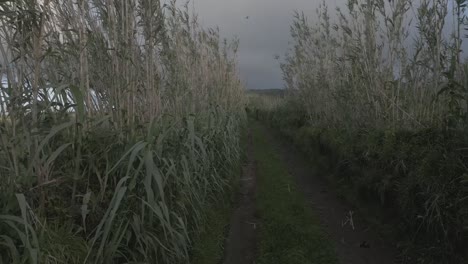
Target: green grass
x,y
289,231
209,246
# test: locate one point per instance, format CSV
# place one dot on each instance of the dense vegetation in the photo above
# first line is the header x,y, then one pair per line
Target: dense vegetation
x,y
119,127
387,117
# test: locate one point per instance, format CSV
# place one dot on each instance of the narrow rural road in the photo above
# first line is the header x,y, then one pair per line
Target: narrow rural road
x,y
355,242
241,243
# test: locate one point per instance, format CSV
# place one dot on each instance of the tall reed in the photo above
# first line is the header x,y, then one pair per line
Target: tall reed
x,y
381,88
394,64
119,125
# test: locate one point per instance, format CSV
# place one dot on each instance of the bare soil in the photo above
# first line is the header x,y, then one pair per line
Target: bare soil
x,y
355,241
242,239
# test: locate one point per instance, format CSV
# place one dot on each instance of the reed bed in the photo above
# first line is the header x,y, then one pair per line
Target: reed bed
x,y
383,64
119,126
378,89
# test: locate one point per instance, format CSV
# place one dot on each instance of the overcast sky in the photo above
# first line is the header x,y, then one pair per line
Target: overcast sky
x,y
262,36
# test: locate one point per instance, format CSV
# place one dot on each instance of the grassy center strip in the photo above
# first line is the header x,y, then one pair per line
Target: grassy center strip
x,y
289,232
209,246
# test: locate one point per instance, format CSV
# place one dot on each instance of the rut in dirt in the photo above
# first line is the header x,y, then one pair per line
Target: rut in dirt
x,y
354,240
242,239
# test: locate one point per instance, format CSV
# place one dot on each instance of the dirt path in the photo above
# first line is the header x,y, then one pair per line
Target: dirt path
x,y
241,242
354,241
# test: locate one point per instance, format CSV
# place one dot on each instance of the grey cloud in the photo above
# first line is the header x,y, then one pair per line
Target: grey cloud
x,y
262,36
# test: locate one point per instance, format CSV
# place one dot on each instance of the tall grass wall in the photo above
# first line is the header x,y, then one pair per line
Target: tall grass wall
x,y
119,126
379,90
